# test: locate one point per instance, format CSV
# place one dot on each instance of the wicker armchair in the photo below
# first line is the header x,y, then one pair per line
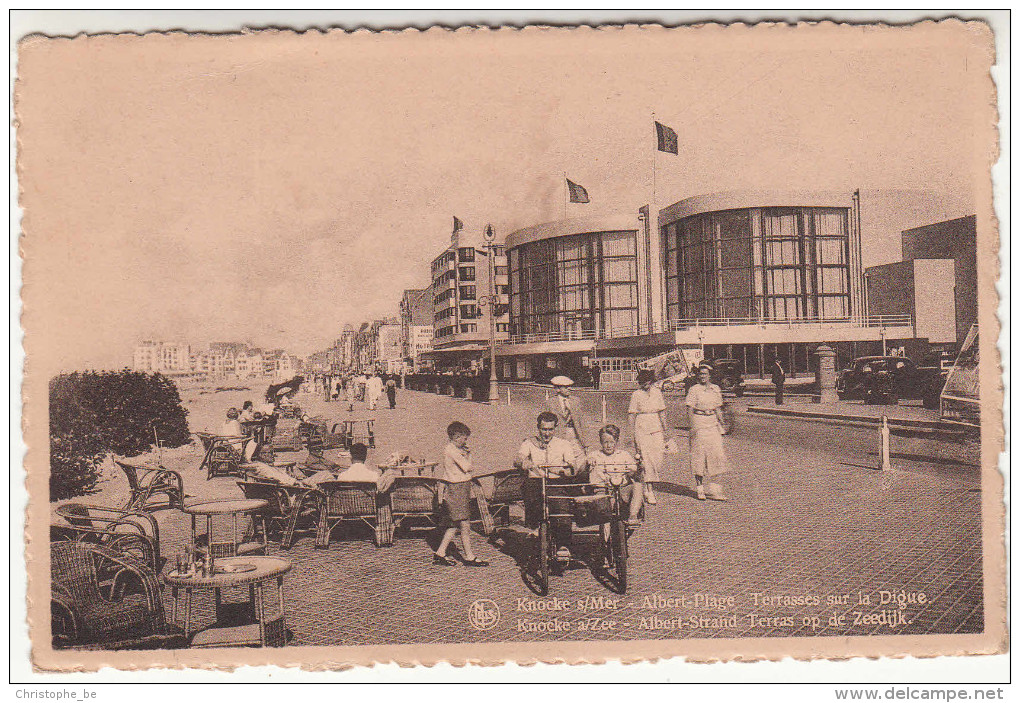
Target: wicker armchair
x,y
86,613
222,456
146,483
131,533
412,497
286,506
318,439
507,489
345,502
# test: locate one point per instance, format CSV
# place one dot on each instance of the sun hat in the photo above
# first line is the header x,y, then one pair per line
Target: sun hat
x,y
562,381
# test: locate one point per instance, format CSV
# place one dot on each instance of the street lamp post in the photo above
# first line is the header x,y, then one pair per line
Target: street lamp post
x,y
490,237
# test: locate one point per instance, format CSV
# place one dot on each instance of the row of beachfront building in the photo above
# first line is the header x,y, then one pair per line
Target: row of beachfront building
x,y
220,360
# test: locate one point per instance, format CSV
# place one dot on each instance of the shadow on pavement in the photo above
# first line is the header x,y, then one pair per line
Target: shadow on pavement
x,y
675,489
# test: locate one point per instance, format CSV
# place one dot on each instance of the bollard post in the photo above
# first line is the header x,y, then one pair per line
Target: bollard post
x,y
508,396
884,433
547,395
604,416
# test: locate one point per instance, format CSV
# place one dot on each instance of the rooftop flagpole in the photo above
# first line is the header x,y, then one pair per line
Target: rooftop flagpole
x,y
566,195
655,152
652,226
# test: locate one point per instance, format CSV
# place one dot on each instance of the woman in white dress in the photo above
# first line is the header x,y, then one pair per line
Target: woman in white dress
x,y
648,424
704,412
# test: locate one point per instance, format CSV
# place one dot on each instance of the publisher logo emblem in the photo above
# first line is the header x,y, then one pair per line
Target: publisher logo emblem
x,y
483,614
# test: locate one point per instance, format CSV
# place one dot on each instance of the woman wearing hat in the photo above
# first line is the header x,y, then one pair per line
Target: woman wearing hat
x,y
704,412
647,413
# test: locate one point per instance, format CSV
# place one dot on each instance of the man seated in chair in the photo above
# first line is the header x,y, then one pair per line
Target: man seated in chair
x,y
549,456
358,472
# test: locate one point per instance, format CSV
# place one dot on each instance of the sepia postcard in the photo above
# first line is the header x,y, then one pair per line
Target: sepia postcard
x,y
532,344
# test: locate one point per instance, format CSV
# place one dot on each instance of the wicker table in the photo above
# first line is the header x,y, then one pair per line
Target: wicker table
x,y
254,572
227,508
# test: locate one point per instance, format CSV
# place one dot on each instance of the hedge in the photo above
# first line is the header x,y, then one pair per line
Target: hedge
x,y
95,413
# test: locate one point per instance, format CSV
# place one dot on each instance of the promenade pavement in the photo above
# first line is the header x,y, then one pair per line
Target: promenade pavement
x,y
810,531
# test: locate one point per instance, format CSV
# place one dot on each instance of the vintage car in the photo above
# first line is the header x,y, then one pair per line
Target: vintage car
x,y
726,373
884,380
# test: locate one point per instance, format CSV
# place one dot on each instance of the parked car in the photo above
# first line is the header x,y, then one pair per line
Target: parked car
x,y
884,380
728,374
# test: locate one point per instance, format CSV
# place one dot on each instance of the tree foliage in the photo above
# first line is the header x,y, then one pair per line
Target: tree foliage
x,y
95,413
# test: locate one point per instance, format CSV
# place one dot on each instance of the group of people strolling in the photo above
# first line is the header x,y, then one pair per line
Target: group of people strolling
x,y
361,387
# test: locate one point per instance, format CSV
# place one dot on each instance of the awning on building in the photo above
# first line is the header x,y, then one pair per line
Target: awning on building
x,y
471,351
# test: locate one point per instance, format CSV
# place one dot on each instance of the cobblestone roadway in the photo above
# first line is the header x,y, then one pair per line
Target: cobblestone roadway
x,y
801,525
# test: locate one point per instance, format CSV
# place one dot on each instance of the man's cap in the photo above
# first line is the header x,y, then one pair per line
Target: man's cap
x,y
562,381
706,365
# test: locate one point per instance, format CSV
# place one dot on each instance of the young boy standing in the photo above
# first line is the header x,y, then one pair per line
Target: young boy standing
x,y
457,475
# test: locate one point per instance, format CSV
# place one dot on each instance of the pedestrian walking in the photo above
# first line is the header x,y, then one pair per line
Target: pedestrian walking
x,y
563,405
391,391
705,415
778,380
647,413
596,375
373,389
457,496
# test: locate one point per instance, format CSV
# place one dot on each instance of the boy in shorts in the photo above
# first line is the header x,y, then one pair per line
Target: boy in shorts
x,y
611,465
457,497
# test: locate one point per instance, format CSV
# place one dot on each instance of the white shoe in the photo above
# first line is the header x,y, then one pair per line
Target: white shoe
x,y
650,497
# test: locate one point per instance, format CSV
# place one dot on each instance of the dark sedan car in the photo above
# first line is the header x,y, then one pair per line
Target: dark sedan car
x,y
882,380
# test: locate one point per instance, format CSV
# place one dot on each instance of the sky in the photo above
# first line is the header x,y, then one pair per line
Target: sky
x,y
273,187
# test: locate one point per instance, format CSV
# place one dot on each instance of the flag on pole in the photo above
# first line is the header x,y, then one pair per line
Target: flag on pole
x,y
666,138
457,224
577,193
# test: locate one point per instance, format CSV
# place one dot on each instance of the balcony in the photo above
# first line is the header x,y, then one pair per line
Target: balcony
x,y
722,330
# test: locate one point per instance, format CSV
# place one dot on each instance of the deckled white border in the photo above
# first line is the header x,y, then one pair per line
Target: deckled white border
x,y
860,670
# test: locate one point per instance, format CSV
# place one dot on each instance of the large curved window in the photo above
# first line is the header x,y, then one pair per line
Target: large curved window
x,y
758,264
578,283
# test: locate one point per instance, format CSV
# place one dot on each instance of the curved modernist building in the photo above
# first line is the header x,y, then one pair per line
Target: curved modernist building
x,y
753,256
576,277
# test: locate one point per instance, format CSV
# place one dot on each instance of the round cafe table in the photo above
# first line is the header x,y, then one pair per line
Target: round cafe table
x,y
232,510
268,629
